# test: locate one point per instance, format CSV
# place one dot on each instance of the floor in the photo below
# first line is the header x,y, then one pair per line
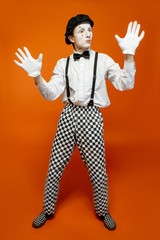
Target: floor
x,y
133,181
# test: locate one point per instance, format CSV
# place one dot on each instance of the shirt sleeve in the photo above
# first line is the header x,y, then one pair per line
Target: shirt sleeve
x,y
55,87
122,79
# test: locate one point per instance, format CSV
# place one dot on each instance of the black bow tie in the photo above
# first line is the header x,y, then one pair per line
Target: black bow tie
x,y
77,56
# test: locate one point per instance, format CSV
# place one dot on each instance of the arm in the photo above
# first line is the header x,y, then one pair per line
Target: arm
x,y
39,79
129,58
50,90
55,87
122,79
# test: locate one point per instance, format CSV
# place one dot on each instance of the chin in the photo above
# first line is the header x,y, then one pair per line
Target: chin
x,y
88,45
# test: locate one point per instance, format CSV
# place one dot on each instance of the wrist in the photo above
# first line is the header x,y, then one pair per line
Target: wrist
x,y
38,79
127,51
34,74
129,58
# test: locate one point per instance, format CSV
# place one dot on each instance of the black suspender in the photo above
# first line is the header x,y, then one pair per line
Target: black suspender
x,y
67,83
94,80
91,103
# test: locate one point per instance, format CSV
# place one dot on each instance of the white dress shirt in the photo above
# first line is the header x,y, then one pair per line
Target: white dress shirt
x,y
80,74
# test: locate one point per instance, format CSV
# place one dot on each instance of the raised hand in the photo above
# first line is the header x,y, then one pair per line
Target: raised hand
x,y
130,42
28,63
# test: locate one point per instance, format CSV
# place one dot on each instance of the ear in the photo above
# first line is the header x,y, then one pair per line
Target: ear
x,y
71,38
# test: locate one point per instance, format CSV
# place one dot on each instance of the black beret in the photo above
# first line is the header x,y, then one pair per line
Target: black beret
x,y
73,22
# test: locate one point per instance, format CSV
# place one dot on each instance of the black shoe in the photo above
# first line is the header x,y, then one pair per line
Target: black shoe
x,y
109,223
40,220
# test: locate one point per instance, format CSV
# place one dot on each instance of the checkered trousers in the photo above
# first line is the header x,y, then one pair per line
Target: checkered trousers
x,y
82,126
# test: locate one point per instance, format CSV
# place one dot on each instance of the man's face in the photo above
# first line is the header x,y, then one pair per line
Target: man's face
x,y
82,36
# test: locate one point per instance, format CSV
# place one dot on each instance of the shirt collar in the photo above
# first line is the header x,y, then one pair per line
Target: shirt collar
x,y
90,51
85,50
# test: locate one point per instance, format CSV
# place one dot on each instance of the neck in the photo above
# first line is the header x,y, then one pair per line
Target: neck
x,y
81,50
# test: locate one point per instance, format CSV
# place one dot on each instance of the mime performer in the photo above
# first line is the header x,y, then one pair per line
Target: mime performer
x,y
80,79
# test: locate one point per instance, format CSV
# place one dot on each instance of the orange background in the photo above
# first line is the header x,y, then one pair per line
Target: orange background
x,y
29,122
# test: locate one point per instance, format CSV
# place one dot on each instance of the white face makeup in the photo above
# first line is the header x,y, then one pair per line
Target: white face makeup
x,y
82,36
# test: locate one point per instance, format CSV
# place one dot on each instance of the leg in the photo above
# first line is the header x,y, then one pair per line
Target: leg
x,y
63,146
91,146
62,149
90,143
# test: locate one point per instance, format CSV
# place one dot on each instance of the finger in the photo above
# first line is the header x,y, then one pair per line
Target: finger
x,y
22,53
137,29
117,37
20,58
141,36
19,64
129,27
134,27
27,52
40,57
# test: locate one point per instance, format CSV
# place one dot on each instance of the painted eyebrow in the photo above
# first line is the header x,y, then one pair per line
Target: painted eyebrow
x,y
80,28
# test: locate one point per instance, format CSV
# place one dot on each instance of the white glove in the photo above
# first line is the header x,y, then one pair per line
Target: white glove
x,y
28,63
130,42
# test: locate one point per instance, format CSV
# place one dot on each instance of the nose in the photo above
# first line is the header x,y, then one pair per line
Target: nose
x,y
88,34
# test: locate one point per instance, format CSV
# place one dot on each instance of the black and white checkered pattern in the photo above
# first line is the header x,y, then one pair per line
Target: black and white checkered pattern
x,y
82,126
